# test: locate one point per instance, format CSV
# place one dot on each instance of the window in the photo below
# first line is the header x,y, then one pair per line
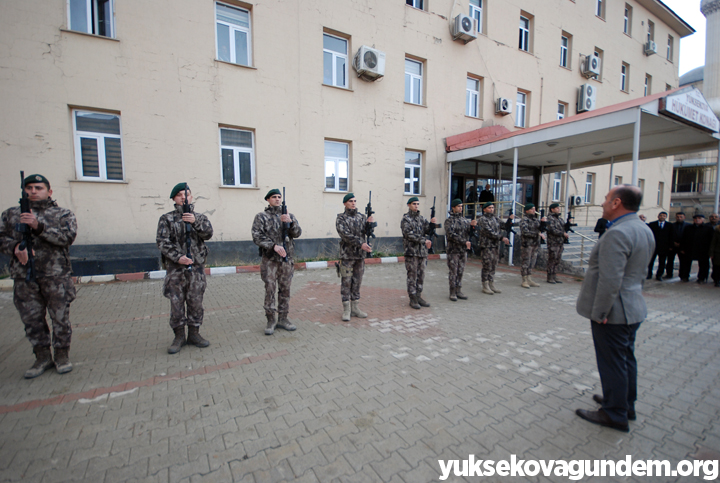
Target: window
x,y
661,189
237,157
624,77
521,109
524,34
472,97
562,110
336,166
92,17
669,55
651,31
648,84
413,162
415,3
641,185
588,187
476,12
627,20
600,8
618,180
413,81
668,87
557,186
335,61
233,34
564,44
600,54
98,146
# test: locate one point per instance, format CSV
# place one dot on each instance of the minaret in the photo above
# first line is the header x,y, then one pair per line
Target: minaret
x,y
711,74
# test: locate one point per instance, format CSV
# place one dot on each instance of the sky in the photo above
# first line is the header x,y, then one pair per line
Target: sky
x,y
692,48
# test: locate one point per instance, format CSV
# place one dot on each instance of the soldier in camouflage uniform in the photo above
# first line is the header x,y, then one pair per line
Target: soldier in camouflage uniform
x,y
555,238
185,276
414,229
458,230
490,238
278,259
352,227
53,230
530,236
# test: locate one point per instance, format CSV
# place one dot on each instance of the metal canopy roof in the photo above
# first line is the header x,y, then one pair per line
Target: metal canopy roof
x,y
588,139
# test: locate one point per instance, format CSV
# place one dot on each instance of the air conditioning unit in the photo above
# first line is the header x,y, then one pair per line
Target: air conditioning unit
x,y
650,48
586,98
503,106
591,66
369,62
576,200
464,28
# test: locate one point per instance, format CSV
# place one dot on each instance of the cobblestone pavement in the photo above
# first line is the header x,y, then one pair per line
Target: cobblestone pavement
x,y
380,399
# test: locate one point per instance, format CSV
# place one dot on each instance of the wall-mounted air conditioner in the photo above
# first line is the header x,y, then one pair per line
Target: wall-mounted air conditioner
x,y
591,67
464,28
369,62
650,48
586,98
503,106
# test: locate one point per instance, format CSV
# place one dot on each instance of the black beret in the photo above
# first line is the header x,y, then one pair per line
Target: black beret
x,y
273,191
37,178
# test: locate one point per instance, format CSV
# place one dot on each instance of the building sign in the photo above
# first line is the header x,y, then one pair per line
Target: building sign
x,y
691,107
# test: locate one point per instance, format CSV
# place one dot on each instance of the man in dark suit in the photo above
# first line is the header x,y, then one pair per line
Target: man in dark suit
x,y
486,195
695,245
611,297
662,231
678,228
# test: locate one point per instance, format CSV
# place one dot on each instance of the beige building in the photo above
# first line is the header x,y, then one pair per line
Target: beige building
x,y
115,101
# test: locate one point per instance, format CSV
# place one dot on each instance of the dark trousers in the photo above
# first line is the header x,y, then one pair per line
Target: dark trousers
x,y
686,264
670,263
716,271
615,354
662,257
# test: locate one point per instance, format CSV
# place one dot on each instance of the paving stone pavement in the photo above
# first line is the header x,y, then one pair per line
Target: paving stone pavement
x,y
380,399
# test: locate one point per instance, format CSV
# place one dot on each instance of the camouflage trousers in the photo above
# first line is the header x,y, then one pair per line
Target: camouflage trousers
x,y
554,256
351,275
185,288
33,299
277,275
490,257
456,264
529,254
415,267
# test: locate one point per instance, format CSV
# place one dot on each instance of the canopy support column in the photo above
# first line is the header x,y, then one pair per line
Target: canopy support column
x,y
636,148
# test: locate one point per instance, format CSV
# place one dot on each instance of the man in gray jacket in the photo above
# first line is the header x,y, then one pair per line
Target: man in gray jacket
x,y
611,297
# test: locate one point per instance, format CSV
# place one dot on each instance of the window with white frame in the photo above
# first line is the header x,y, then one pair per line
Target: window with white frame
x,y
413,163
521,109
233,34
651,31
669,55
98,146
661,189
476,12
561,110
413,81
336,165
624,76
589,187
600,8
618,180
648,84
600,54
627,20
92,17
237,157
415,3
641,185
524,34
335,61
557,187
564,44
472,97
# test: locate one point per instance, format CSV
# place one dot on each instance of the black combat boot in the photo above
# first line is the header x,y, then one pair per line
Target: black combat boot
x,y
284,323
178,341
460,295
195,338
43,360
62,361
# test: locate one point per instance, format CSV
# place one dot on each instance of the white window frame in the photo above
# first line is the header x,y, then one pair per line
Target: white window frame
x,y
409,97
521,109
564,45
337,161
472,98
624,77
670,48
419,4
236,159
524,34
415,174
589,178
100,140
641,185
476,12
661,189
92,18
600,54
618,181
334,56
232,28
627,20
651,31
557,186
561,110
648,84
599,9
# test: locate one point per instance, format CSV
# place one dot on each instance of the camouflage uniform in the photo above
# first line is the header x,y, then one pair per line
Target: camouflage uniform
x,y
555,242
529,242
352,227
490,238
53,290
457,231
414,228
266,233
182,286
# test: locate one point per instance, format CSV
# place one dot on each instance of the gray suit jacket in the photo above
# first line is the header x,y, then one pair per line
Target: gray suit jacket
x,y
613,283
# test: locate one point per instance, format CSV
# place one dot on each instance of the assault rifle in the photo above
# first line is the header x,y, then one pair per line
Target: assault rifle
x,y
474,236
285,226
27,241
370,228
568,227
188,228
509,227
543,225
433,226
